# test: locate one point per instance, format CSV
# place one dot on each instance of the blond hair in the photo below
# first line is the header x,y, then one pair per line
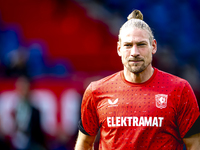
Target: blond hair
x,y
135,20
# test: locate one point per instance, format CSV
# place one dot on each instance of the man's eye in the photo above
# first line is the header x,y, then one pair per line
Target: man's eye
x,y
141,44
127,45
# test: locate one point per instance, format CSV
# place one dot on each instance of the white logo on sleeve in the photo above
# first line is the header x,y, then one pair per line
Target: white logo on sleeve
x,y
161,100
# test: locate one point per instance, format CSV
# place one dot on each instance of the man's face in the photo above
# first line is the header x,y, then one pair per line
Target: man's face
x,y
22,87
135,49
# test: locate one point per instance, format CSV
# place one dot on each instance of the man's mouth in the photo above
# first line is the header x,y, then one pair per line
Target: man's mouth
x,y
139,60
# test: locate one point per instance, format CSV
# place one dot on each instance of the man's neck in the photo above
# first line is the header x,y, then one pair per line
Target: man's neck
x,y
139,77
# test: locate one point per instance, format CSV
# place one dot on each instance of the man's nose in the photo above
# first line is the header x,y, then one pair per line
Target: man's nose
x,y
134,51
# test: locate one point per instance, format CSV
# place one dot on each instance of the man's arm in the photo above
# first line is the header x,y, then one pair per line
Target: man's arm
x,y
192,142
192,137
84,142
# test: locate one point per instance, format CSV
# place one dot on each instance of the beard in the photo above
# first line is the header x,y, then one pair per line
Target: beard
x,y
137,67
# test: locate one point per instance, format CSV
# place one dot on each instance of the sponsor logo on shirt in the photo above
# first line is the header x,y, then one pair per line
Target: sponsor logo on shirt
x,y
135,121
161,100
113,103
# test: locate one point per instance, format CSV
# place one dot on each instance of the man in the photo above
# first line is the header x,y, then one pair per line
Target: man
x,y
28,134
140,107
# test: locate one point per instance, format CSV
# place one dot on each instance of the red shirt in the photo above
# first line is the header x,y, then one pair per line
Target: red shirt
x,y
153,115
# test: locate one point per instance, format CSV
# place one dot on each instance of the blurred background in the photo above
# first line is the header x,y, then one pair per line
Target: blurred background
x,y
50,50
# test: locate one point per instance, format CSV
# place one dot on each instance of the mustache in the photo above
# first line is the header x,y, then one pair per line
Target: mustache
x,y
135,59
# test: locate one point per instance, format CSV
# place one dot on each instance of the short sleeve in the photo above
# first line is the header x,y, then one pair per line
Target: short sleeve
x,y
188,110
89,115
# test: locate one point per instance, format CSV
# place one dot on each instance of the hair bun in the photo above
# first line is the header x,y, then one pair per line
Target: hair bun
x,y
136,14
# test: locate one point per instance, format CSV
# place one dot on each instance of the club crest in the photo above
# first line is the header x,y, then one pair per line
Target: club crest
x,y
161,100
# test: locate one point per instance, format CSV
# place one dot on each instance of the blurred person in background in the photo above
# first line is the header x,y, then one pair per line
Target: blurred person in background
x,y
28,133
140,107
17,62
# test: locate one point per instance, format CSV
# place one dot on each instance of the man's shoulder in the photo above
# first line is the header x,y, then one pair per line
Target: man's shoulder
x,y
115,77
170,77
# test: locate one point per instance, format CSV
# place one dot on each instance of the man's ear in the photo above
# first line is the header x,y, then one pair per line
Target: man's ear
x,y
119,48
154,46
